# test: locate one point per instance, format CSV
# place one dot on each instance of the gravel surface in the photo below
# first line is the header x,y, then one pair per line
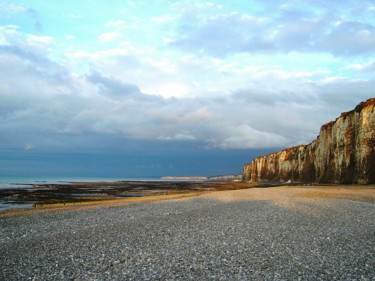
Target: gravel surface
x,y
196,239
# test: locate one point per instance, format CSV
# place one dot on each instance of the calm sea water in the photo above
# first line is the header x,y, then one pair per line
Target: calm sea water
x,y
19,182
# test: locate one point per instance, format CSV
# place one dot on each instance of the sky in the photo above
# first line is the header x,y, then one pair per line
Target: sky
x,y
151,88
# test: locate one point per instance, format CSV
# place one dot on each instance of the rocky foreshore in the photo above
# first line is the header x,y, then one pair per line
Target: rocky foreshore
x,y
66,194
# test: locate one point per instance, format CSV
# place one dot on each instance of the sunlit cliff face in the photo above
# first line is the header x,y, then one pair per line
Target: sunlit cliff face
x,y
344,152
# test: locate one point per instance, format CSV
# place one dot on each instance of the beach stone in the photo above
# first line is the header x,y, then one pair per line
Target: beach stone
x,y
203,238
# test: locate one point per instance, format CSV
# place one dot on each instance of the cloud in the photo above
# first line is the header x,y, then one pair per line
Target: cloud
x,y
9,9
184,136
349,38
163,19
33,45
317,27
243,135
109,36
369,67
338,94
113,109
116,23
28,146
112,86
233,87
44,41
220,35
171,89
29,73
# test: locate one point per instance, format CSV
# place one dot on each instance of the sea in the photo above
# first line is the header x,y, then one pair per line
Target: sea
x,y
21,182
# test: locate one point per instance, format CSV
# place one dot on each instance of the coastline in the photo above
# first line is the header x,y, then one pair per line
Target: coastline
x,y
225,191
46,197
81,206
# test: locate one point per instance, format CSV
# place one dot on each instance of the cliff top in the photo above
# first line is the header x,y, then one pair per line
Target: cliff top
x,y
358,108
293,148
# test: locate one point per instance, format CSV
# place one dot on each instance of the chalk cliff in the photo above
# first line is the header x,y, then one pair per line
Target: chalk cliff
x,y
344,152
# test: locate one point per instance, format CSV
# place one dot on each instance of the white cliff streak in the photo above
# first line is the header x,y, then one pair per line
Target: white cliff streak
x,y
344,152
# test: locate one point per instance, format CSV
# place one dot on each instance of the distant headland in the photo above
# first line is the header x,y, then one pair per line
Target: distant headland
x,y
203,178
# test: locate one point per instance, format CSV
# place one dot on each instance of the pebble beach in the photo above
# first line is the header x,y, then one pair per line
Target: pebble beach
x,y
278,233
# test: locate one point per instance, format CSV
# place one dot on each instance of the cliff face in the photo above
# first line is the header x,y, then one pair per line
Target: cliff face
x,y
344,152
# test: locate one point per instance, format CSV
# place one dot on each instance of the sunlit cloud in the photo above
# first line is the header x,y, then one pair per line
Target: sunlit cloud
x,y
109,36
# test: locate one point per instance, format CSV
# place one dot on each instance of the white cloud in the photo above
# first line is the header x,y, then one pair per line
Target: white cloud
x,y
169,89
7,34
8,9
368,67
44,41
116,23
163,19
185,136
162,65
109,36
244,136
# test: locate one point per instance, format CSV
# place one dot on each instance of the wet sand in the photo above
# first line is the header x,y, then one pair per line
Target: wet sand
x,y
279,194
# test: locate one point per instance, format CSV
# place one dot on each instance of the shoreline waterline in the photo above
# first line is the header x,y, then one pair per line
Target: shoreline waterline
x,y
20,182
41,194
227,191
